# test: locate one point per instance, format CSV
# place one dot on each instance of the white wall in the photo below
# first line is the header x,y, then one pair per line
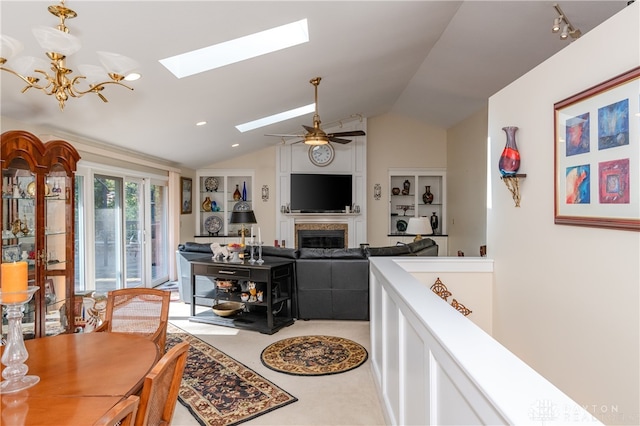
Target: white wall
x,y
566,297
467,184
394,141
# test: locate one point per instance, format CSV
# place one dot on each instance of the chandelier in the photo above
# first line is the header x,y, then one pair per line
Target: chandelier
x,y
59,44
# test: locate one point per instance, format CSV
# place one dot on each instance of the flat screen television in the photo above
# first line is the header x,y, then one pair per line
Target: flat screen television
x,y
320,193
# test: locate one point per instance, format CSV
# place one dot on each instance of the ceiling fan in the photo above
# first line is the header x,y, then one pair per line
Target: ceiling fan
x,y
315,135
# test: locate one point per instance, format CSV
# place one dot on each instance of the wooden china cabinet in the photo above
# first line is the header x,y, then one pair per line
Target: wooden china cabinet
x,y
37,220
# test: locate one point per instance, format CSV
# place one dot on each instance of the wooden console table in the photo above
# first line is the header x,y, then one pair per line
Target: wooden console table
x,y
276,279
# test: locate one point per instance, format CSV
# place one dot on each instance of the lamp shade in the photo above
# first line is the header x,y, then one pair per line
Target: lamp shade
x,y
54,40
419,226
245,216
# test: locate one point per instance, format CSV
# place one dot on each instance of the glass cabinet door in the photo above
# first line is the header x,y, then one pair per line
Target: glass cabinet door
x,y
57,255
19,222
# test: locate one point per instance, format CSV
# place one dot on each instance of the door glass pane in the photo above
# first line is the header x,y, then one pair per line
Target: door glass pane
x,y
134,233
159,248
107,238
80,248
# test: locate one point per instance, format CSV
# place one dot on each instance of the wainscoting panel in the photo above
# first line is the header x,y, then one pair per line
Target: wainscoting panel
x,y
432,365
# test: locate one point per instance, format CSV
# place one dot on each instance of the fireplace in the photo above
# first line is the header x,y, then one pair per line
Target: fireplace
x,y
321,235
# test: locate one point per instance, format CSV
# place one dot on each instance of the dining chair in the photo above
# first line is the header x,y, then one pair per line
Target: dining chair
x,y
161,386
143,311
123,413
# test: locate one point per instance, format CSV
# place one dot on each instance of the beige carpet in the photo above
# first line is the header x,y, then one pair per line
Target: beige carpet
x,y
339,399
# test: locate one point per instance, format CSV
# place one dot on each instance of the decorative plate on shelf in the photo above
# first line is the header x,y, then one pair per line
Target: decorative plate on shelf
x,y
401,225
213,224
31,189
211,184
241,206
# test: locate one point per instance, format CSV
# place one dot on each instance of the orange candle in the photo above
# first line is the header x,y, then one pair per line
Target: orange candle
x,y
14,279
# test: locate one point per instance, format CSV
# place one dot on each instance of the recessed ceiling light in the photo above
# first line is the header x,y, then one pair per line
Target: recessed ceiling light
x,y
201,123
237,50
235,145
276,118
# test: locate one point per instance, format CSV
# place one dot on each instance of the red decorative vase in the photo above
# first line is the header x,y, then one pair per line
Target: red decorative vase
x,y
510,159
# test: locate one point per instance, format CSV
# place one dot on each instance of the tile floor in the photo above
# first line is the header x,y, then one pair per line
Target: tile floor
x,y
348,398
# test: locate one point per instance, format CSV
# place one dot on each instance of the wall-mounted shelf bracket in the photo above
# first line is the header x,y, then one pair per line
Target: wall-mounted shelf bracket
x,y
513,185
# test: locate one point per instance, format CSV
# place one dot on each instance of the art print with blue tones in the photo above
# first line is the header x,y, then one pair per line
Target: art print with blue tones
x,y
577,134
578,188
613,125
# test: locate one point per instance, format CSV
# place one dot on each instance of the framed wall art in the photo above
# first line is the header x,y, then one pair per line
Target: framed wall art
x,y
597,155
186,195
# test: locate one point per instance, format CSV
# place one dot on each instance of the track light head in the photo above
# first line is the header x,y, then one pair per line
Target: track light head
x,y
561,21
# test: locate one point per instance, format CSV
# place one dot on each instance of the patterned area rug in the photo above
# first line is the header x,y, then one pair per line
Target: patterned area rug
x,y
314,355
219,390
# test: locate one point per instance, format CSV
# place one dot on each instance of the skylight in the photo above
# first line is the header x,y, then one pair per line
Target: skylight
x,y
276,118
237,50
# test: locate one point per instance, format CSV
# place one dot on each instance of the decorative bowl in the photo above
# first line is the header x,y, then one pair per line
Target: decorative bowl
x,y
226,309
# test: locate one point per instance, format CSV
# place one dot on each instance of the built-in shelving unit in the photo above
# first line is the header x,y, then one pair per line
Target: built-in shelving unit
x,y
215,201
407,188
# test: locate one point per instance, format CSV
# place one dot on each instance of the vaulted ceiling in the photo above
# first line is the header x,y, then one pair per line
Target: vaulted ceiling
x,y
434,61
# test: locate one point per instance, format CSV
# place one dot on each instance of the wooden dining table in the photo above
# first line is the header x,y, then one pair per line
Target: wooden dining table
x,y
81,377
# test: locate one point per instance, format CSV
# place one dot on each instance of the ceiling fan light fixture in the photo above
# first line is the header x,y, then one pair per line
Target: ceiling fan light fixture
x,y
316,140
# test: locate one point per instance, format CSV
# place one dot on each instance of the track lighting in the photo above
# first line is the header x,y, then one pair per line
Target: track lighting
x,y
567,28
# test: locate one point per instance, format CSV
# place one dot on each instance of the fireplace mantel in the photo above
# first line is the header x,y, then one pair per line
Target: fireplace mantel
x,y
321,215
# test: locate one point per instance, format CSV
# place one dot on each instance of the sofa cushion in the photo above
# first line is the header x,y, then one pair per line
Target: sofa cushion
x,y
322,253
400,250
195,247
423,247
288,253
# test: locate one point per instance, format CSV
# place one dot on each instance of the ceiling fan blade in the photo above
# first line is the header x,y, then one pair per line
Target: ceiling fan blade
x,y
351,133
284,135
338,140
308,128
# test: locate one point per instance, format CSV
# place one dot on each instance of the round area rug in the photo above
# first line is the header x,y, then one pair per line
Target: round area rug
x,y
314,355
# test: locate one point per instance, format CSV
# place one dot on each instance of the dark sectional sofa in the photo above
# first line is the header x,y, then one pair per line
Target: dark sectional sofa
x,y
330,283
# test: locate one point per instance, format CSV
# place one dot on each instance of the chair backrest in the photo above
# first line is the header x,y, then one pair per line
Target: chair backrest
x,y
142,311
123,413
161,386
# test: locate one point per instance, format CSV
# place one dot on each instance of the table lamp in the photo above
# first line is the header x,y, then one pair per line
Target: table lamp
x,y
419,226
243,217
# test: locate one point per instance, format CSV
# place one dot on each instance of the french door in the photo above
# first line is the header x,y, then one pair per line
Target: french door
x,y
124,223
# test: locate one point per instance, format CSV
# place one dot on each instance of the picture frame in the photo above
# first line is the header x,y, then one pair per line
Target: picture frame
x,y
49,288
10,253
597,155
186,195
